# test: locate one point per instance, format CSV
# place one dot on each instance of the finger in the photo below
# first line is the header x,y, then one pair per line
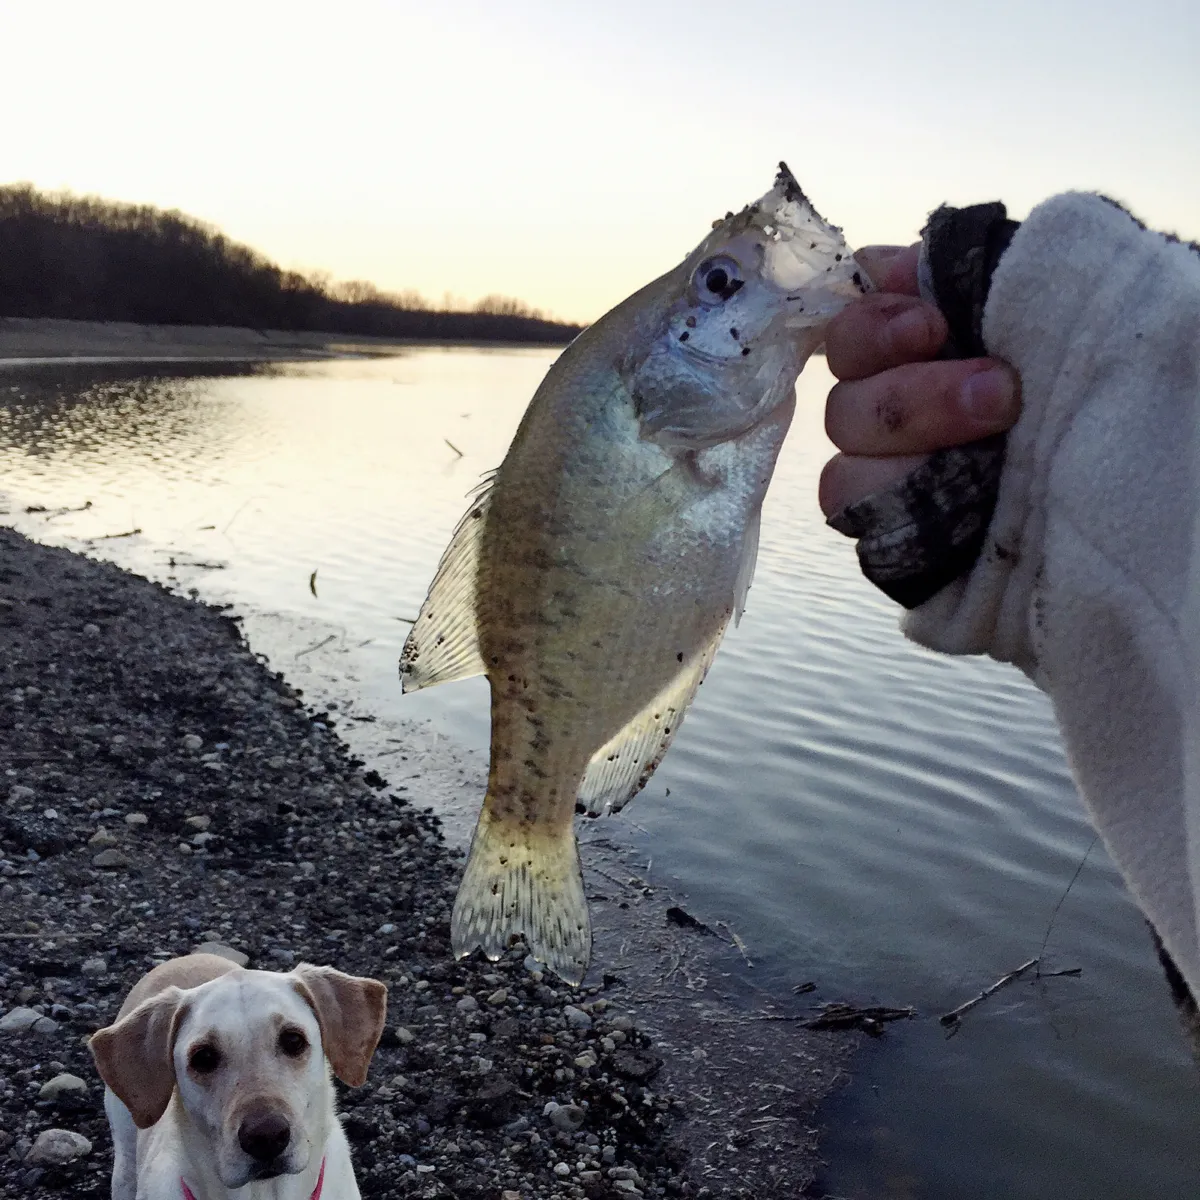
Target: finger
x,y
846,478
881,331
920,407
891,268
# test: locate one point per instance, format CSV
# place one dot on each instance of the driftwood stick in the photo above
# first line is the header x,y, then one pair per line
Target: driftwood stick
x,y
953,1017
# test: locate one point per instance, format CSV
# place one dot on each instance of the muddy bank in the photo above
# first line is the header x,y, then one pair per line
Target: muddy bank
x,y
160,786
23,339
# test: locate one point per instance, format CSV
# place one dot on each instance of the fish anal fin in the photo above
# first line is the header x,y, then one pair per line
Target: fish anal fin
x,y
524,880
624,764
443,644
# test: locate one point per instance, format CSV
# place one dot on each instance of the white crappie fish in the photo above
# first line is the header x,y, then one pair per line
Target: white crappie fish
x,y
594,575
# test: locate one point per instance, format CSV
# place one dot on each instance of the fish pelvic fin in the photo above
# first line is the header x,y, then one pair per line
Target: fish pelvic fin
x,y
523,880
624,764
443,644
746,569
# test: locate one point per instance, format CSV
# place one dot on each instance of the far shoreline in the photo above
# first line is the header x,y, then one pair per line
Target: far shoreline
x,y
40,341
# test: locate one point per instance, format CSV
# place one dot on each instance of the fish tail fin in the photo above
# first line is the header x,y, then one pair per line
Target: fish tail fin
x,y
522,880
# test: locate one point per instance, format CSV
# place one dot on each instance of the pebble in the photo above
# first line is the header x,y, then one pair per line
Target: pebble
x,y
56,1147
404,1036
499,996
468,1004
567,1117
61,1085
200,822
102,839
192,742
577,1018
19,794
136,818
112,860
94,966
20,1020
562,1168
90,630
222,951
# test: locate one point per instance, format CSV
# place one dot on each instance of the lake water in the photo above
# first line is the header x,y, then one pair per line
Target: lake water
x,y
895,826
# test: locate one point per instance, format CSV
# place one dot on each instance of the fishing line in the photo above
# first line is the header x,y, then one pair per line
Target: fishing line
x,y
1061,901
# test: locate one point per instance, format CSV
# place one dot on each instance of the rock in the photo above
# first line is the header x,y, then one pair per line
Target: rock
x,y
567,1117
102,839
562,1168
199,822
577,1018
468,1004
136,818
91,630
586,1061
192,743
19,794
56,1147
499,996
94,966
203,839
622,1022
111,860
61,1085
222,951
19,1020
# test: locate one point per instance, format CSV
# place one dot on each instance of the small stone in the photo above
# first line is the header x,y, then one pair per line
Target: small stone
x,y
567,1117
405,1036
94,966
51,814
386,928
562,1169
222,951
111,860
468,1004
102,839
622,1022
279,954
499,996
586,1061
136,818
510,1195
577,1018
19,794
203,839
56,1147
200,822
184,848
192,742
18,1020
91,630
61,1085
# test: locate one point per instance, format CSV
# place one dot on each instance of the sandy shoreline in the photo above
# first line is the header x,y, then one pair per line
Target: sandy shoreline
x,y
25,342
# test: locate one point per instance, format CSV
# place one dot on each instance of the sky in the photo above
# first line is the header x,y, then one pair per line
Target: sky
x,y
566,153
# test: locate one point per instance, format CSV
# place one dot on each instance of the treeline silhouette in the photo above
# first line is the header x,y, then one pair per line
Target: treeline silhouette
x,y
84,258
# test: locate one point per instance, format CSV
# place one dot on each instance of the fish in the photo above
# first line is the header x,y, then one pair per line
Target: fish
x,y
594,574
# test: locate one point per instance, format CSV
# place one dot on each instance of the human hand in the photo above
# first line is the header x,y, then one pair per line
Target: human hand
x,y
896,403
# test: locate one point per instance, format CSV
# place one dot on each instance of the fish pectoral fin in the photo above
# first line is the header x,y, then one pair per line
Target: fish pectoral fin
x,y
746,569
526,880
624,764
443,644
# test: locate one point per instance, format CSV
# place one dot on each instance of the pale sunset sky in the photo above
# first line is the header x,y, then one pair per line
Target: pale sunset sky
x,y
565,153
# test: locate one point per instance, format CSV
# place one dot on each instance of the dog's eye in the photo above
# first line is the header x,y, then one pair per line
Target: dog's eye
x,y
203,1059
292,1042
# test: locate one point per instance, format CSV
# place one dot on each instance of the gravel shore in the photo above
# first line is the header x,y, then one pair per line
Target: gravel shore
x,y
160,787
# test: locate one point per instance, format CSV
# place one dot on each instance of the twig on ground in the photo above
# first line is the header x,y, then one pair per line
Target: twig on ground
x,y
107,537
316,645
453,447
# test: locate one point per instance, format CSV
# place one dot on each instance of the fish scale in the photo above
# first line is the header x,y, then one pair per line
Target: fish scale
x,y
593,578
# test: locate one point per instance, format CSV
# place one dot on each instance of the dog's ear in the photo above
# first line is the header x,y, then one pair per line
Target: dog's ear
x,y
350,1011
135,1056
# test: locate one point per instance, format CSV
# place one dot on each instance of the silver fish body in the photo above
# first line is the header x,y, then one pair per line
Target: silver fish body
x,y
594,577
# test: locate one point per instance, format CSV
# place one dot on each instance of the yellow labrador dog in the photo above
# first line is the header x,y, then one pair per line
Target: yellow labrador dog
x,y
219,1080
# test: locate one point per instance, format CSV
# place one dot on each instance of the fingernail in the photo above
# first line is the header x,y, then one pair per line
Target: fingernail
x,y
909,332
989,397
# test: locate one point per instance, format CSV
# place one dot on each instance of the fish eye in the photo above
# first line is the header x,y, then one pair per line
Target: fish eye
x,y
292,1042
717,279
204,1059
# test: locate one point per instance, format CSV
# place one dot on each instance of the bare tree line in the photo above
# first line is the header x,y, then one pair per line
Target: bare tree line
x,y
85,258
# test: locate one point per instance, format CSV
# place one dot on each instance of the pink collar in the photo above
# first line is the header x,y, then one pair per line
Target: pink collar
x,y
188,1194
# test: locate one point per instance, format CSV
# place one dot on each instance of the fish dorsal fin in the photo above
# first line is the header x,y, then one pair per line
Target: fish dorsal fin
x,y
746,570
623,766
444,642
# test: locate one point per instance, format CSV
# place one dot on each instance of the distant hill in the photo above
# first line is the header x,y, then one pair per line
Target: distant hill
x,y
83,258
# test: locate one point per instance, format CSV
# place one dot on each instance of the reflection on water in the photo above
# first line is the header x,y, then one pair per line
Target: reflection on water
x,y
893,825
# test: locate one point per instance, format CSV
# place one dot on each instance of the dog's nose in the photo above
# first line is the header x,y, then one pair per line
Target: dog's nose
x,y
264,1136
